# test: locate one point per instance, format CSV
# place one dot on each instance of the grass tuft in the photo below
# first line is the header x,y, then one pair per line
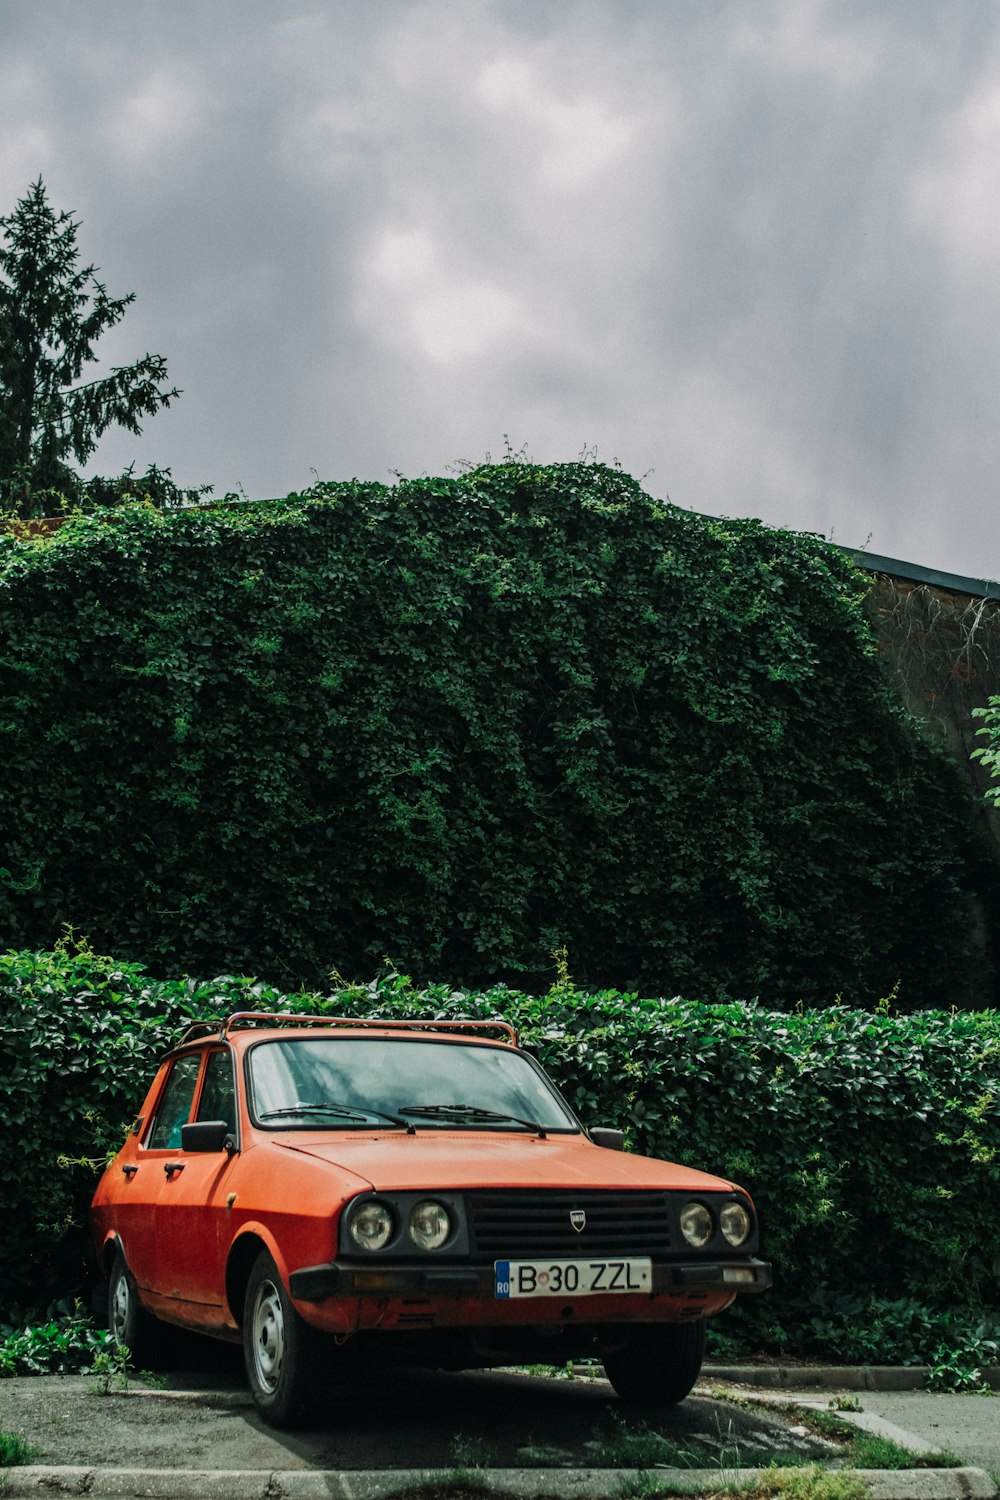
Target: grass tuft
x,y
14,1451
810,1483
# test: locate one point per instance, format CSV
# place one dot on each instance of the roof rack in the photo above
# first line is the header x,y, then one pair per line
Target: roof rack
x,y
243,1019
198,1029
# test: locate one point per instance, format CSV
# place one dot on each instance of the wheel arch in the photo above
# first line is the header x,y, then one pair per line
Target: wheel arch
x,y
111,1247
243,1254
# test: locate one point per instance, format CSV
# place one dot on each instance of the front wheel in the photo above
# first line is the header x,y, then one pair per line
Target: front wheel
x,y
283,1355
656,1364
128,1321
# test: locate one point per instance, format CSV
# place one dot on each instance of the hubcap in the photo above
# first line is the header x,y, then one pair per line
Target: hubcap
x,y
268,1331
119,1307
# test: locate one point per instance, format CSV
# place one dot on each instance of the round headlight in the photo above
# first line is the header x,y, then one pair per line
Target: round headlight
x,y
371,1226
696,1224
734,1221
429,1225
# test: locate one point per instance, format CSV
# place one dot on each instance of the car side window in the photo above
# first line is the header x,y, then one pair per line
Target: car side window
x,y
218,1096
175,1104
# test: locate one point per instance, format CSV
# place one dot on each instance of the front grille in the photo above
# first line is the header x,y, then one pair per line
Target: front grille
x,y
537,1222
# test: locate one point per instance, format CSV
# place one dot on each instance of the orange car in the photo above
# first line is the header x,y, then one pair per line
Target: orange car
x,y
330,1190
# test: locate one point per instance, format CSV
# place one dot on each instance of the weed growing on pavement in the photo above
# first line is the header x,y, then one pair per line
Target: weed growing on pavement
x,y
637,1447
729,1395
111,1367
14,1450
644,1486
542,1456
870,1451
470,1452
809,1483
453,1485
573,1369
826,1423
846,1403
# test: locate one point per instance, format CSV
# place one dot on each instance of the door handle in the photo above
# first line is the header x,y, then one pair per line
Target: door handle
x,y
170,1167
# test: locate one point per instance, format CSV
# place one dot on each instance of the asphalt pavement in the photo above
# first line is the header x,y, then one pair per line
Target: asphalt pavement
x,y
519,1433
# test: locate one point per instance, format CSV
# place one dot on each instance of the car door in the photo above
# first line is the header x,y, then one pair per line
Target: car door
x,y
191,1212
146,1174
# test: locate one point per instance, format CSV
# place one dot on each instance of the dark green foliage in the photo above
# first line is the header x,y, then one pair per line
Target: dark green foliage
x,y
463,721
871,1142
989,753
52,312
63,1341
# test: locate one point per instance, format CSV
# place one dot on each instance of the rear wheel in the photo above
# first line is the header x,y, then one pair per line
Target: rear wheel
x,y
283,1355
128,1321
656,1364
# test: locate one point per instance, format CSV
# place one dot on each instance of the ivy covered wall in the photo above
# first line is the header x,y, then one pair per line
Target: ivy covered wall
x,y
463,721
940,649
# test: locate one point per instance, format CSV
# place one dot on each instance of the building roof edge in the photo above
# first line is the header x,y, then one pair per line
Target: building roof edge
x,y
875,562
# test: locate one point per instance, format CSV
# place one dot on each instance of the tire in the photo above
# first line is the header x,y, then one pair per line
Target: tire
x,y
128,1321
657,1364
284,1357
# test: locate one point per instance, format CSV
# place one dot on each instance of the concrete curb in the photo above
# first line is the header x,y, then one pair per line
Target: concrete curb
x,y
833,1377
326,1484
770,1377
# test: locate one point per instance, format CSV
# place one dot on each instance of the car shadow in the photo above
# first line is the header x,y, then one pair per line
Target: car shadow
x,y
397,1417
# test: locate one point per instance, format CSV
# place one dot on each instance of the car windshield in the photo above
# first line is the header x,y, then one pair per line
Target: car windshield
x,y
335,1083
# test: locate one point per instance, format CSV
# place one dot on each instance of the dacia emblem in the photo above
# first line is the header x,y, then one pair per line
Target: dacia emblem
x,y
578,1219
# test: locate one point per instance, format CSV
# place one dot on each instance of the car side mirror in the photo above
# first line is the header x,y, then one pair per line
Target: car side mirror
x,y
208,1135
604,1135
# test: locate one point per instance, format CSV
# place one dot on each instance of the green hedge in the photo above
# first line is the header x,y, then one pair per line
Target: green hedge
x,y
870,1141
462,721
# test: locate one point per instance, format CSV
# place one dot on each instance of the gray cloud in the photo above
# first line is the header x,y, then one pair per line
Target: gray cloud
x,y
753,249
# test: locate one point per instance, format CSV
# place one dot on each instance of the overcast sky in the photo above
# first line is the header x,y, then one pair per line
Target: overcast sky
x,y
748,248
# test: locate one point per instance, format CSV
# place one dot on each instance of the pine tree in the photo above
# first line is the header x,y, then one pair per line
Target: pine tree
x,y
52,312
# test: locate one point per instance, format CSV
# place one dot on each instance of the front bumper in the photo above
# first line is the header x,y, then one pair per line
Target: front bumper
x,y
316,1283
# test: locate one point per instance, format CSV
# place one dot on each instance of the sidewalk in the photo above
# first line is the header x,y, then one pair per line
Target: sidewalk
x,y
893,1403
967,1426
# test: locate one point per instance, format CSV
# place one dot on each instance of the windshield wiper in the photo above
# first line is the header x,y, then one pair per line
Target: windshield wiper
x,y
471,1112
343,1111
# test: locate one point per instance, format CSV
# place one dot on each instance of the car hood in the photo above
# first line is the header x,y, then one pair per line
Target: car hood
x,y
451,1160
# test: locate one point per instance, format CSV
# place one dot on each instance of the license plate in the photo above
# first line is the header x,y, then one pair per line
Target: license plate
x,y
572,1278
